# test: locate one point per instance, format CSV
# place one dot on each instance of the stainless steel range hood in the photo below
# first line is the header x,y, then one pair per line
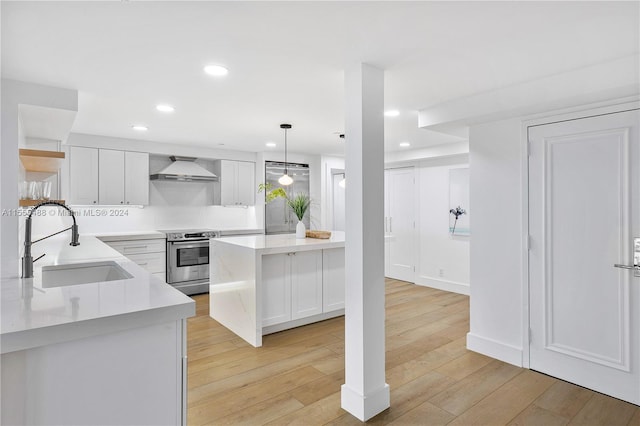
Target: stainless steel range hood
x,y
184,169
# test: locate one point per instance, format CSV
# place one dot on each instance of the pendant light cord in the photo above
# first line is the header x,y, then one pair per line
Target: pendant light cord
x,y
286,171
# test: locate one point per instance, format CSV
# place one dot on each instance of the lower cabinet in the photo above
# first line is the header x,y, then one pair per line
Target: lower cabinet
x,y
332,279
149,254
301,284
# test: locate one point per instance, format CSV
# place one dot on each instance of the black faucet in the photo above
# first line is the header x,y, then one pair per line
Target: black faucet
x,y
27,260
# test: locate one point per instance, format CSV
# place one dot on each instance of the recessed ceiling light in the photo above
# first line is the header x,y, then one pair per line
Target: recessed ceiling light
x,y
271,144
165,108
140,128
404,144
392,113
216,70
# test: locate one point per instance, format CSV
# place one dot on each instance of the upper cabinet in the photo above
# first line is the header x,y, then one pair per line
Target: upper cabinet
x,y
237,182
136,178
108,177
83,175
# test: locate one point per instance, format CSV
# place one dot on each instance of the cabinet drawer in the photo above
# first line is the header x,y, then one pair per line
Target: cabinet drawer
x,y
139,246
152,262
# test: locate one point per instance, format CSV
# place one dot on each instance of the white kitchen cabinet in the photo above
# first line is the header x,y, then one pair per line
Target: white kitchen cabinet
x,y
150,254
306,284
292,286
108,177
276,289
333,279
136,178
237,182
83,175
111,176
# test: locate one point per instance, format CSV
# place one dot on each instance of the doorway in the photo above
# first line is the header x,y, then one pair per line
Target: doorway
x,y
584,211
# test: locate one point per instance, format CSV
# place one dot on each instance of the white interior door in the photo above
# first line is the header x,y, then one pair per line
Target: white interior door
x,y
401,223
584,201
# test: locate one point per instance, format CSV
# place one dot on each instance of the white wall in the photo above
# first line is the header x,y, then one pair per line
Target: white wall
x,y
443,260
497,240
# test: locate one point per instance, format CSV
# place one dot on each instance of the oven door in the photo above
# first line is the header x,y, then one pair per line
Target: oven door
x,y
187,261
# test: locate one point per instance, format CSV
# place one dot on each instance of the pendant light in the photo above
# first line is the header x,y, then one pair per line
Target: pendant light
x,y
285,179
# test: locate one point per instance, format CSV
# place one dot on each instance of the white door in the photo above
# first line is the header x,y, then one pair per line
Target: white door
x,y
401,223
306,283
136,178
111,177
584,210
83,175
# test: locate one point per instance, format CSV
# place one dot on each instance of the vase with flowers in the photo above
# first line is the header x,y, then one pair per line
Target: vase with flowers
x,y
298,203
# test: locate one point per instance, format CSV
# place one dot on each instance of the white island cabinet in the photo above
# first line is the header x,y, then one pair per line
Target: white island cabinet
x,y
262,284
112,351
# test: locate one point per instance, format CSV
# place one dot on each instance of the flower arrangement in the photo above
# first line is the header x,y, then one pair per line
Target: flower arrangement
x,y
457,212
299,203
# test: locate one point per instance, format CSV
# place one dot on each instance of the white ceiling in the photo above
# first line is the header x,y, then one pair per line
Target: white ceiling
x,y
286,61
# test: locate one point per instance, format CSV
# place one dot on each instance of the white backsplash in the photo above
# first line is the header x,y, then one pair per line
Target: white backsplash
x,y
92,220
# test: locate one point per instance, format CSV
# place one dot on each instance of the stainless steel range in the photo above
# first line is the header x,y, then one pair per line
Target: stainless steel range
x,y
188,259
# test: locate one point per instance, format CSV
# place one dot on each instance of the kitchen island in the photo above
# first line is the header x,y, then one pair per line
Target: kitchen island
x,y
92,338
262,284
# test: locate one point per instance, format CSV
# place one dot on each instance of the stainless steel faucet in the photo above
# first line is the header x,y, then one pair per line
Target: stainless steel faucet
x,y
27,260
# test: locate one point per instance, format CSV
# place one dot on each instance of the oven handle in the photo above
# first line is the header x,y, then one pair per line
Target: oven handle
x,y
197,243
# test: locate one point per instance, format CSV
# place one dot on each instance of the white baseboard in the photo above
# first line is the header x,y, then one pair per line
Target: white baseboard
x,y
494,349
440,284
364,407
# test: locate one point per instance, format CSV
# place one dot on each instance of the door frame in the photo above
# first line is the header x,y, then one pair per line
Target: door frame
x,y
569,114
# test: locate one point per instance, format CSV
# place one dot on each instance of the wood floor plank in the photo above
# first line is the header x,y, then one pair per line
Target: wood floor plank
x,y
466,393
318,413
461,367
507,401
318,389
564,399
604,410
239,399
537,416
262,412
424,414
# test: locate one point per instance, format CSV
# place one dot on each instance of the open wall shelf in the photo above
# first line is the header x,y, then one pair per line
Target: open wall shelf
x,y
35,160
31,203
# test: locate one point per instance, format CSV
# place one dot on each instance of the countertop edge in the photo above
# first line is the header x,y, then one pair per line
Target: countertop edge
x,y
43,336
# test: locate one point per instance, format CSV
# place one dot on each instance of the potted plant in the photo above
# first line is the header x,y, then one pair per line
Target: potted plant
x,y
299,203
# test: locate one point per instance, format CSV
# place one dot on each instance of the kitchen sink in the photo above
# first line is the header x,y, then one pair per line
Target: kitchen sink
x,y
82,273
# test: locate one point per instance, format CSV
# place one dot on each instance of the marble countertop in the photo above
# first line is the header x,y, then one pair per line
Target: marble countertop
x,y
130,235
33,315
283,243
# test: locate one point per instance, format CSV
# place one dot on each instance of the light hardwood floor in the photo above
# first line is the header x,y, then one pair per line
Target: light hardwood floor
x,y
295,377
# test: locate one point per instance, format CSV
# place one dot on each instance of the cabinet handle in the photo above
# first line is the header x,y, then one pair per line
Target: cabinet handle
x,y
127,202
142,264
121,202
94,202
390,224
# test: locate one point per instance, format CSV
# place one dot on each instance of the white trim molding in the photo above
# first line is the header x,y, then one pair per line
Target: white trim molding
x,y
446,285
495,349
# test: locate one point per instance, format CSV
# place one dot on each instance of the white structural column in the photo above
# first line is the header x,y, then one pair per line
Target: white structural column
x,y
365,392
